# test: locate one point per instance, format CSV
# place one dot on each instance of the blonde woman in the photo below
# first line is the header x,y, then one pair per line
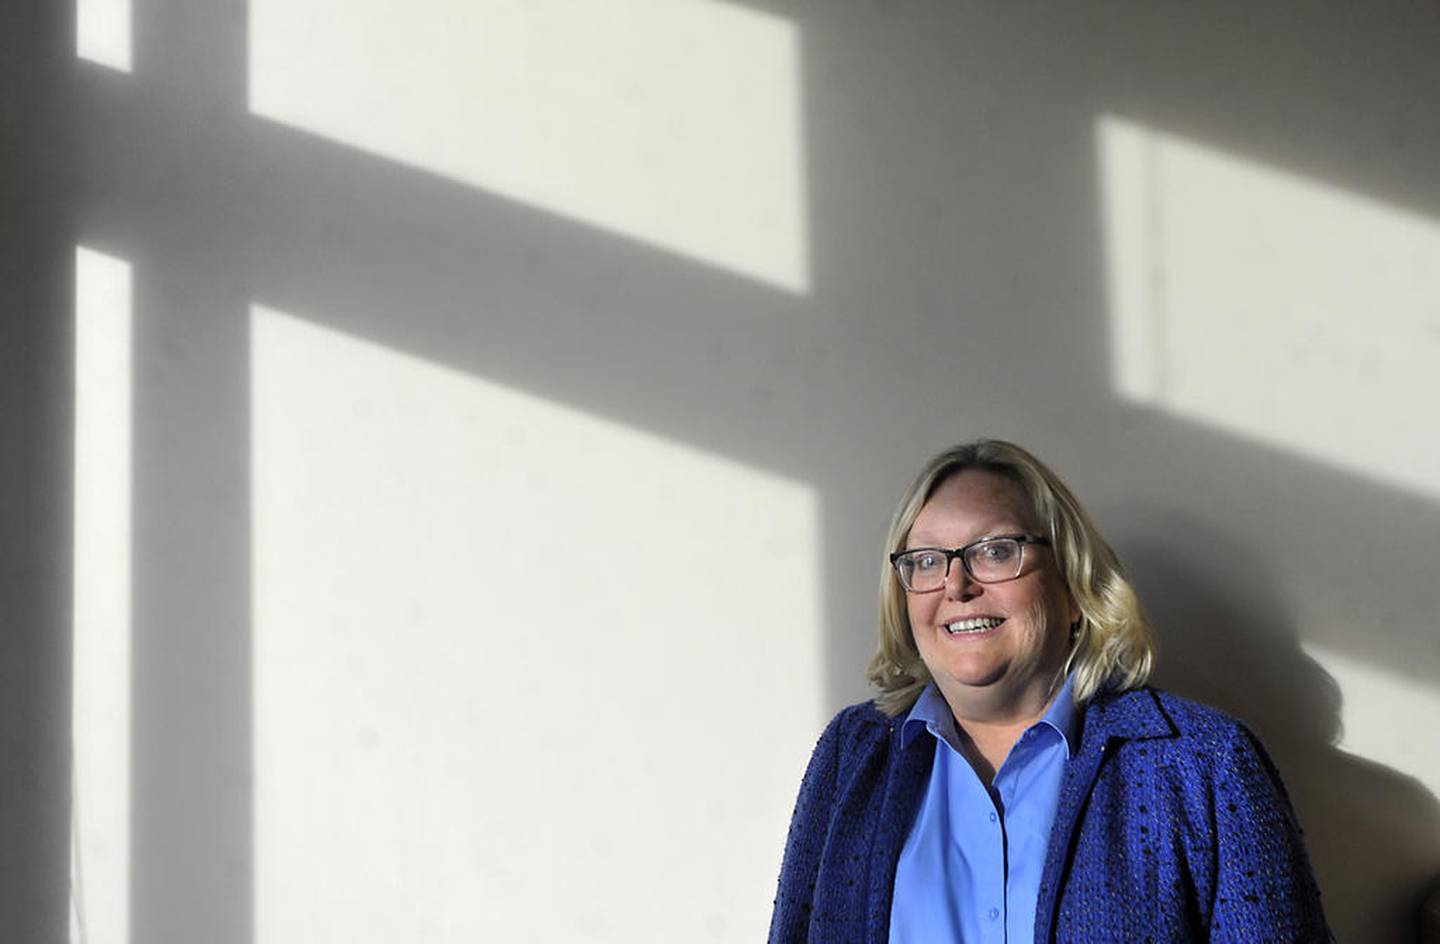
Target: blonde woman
x,y
1013,780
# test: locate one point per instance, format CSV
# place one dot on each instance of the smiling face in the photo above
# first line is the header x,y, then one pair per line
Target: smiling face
x,y
995,650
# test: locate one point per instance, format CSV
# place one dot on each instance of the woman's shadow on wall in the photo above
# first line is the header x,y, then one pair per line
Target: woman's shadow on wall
x,y
1370,829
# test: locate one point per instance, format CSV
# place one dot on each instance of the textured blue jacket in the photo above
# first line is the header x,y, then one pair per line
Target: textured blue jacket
x,y
1172,826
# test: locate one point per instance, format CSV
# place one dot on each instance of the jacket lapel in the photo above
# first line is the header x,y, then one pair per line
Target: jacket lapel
x,y
903,791
1107,720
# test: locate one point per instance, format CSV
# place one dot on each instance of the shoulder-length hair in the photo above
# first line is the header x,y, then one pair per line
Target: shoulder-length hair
x,y
1113,645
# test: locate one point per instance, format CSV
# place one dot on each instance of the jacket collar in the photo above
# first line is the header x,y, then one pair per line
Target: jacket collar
x,y
1128,716
1108,717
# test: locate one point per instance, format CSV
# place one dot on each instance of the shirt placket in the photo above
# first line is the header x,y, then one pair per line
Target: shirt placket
x,y
987,856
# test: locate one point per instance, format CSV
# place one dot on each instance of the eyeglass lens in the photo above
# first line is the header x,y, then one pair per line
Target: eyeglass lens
x,y
986,561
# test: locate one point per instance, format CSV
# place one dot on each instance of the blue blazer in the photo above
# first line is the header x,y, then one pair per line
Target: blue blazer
x,y
1172,826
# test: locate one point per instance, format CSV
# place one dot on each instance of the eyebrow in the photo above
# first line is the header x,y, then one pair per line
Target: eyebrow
x,y
911,543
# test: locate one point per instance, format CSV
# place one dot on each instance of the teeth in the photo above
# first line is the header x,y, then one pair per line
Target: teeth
x,y
974,625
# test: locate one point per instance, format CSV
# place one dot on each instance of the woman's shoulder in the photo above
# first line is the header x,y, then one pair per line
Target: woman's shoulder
x,y
1179,728
859,735
854,736
860,722
1170,722
1165,712
1196,718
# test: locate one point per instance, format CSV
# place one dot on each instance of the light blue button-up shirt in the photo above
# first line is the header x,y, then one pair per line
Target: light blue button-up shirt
x,y
970,870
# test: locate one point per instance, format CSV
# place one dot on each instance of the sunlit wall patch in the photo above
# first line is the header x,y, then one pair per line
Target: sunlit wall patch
x,y
521,672
102,32
1272,305
674,122
101,708
1386,717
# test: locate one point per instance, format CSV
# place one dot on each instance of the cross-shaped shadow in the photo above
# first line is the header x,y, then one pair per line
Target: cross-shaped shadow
x,y
956,245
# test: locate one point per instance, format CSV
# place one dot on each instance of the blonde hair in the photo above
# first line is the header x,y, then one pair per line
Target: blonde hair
x,y
1113,645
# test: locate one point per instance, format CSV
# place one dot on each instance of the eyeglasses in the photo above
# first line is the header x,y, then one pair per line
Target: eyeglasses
x,y
989,560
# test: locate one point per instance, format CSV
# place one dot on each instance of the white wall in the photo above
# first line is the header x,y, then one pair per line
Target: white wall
x,y
410,312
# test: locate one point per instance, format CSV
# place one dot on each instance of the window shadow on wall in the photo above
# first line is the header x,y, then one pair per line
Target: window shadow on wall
x,y
956,246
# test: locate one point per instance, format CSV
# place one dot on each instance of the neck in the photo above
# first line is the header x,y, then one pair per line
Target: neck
x,y
1000,706
992,727
987,746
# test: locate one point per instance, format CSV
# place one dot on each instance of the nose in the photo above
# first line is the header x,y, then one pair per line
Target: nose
x,y
959,585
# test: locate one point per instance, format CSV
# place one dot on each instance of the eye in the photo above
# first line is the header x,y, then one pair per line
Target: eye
x,y
927,561
998,552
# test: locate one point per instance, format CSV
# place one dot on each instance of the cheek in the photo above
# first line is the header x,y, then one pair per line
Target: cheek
x,y
920,609
1056,605
1038,618
1046,622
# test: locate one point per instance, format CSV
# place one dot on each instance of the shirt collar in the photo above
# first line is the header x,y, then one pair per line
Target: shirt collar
x,y
1064,718
932,713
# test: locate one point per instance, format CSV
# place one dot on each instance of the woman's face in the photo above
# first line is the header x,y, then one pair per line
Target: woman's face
x,y
1006,665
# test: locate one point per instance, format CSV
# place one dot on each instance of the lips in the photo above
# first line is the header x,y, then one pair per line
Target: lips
x,y
973,625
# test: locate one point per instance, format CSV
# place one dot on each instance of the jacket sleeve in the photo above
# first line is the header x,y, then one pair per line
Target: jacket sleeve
x,y
1264,887
809,827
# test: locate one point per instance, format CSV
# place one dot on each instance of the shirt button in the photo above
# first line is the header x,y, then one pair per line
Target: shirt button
x,y
993,817
994,913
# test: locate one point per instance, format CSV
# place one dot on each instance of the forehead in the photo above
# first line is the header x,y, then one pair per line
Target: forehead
x,y
972,504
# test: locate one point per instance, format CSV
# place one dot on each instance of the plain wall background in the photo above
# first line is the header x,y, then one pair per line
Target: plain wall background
x,y
956,281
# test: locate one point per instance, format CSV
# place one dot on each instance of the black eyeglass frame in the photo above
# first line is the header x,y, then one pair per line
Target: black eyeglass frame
x,y
960,552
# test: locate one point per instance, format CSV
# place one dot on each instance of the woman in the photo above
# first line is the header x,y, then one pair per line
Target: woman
x,y
1013,780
